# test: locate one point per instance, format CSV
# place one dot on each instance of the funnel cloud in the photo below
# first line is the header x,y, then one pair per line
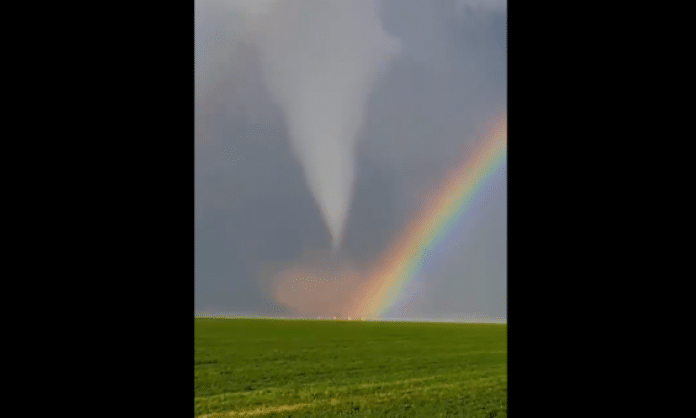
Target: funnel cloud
x,y
320,59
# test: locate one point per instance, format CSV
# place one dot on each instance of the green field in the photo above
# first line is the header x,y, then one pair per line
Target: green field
x,y
308,368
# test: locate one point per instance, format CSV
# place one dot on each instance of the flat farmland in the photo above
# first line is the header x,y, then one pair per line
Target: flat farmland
x,y
324,368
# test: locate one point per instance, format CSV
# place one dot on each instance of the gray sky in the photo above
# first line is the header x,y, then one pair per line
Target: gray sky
x,y
431,75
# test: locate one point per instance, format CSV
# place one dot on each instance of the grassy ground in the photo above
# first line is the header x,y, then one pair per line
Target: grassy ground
x,y
304,368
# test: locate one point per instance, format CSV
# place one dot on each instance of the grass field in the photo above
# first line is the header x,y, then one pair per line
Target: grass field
x,y
307,368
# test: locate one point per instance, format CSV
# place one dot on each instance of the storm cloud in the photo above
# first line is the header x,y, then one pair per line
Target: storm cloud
x,y
277,128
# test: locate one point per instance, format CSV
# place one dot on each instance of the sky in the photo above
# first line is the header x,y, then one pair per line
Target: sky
x,y
320,127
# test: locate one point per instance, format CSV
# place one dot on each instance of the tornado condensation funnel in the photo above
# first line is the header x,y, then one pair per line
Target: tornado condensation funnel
x,y
320,59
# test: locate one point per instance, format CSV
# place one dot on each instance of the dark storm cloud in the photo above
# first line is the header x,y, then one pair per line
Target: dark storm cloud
x,y
252,201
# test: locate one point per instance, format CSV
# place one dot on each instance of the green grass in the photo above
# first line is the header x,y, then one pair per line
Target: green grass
x,y
306,368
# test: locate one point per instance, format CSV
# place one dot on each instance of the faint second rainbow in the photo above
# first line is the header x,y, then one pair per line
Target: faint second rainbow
x,y
450,201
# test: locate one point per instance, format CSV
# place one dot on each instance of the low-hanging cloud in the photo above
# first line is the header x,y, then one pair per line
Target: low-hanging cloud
x,y
320,59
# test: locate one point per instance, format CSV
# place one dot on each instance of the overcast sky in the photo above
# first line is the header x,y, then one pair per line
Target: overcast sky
x,y
255,209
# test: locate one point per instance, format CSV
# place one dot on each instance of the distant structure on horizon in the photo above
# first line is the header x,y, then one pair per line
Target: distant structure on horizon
x,y
348,318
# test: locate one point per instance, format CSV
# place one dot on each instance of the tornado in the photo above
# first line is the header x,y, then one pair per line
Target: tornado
x,y
320,59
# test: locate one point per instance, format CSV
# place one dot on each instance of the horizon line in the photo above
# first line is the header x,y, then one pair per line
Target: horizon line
x,y
472,319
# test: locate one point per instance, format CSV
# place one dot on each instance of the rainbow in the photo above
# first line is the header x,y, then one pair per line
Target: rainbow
x,y
427,228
